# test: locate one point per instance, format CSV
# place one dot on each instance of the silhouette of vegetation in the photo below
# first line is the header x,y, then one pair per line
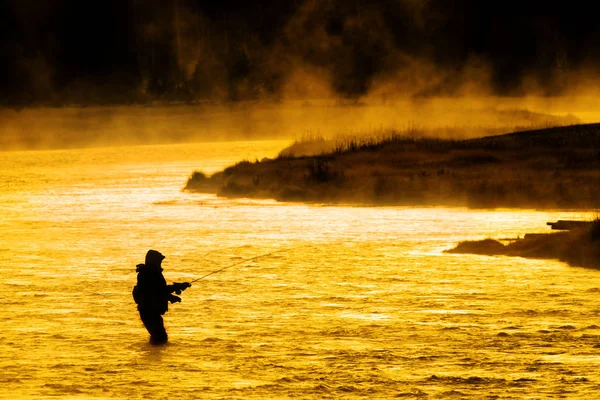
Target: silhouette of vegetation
x,y
517,120
321,172
549,168
578,247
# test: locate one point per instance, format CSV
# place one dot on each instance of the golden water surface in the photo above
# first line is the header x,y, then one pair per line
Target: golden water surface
x,y
344,302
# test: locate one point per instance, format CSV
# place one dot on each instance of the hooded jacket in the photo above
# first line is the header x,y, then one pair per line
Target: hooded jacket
x,y
152,294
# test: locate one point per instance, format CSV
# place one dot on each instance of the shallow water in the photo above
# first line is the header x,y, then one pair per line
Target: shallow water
x,y
341,302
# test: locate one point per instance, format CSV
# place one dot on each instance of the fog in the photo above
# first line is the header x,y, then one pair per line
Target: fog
x,y
70,127
129,72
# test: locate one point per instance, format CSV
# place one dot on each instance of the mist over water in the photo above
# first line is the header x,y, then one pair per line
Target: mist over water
x,y
454,118
356,302
169,72
116,72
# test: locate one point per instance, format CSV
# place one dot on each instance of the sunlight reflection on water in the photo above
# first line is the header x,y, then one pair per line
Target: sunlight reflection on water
x,y
357,301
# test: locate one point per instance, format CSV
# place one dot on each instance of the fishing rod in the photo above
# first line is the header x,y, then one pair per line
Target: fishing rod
x,y
238,263
250,259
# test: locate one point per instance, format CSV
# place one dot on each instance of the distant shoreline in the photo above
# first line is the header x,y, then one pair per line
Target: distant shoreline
x,y
553,168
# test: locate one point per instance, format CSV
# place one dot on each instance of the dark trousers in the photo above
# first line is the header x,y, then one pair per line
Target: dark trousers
x,y
153,322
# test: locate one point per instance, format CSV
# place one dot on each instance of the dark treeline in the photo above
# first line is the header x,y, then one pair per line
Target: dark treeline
x,y
124,51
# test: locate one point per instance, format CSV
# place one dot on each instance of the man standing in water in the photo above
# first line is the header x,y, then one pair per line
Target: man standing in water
x,y
153,295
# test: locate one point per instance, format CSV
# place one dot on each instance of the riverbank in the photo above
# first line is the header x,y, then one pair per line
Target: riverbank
x,y
556,168
577,247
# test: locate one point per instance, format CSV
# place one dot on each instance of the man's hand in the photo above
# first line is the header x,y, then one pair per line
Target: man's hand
x,y
180,287
174,299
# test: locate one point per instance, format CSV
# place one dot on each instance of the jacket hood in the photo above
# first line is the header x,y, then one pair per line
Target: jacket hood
x,y
154,257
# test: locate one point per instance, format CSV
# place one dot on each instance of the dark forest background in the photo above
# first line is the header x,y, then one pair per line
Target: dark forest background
x,y
59,52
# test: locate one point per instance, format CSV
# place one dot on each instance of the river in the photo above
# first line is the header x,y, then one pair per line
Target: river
x,y
338,301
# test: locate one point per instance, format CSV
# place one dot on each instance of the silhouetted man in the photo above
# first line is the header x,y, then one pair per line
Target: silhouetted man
x,y
152,295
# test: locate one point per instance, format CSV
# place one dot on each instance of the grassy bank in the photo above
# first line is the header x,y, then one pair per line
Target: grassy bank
x,y
577,247
547,168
